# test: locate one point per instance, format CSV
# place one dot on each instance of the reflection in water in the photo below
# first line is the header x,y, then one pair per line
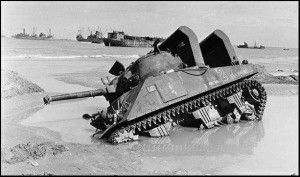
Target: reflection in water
x,y
235,139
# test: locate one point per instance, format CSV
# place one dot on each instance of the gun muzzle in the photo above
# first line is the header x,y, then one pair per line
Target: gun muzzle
x,y
91,93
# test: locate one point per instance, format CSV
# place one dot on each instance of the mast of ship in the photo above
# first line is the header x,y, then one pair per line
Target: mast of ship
x,y
33,31
104,32
49,32
99,34
81,31
89,34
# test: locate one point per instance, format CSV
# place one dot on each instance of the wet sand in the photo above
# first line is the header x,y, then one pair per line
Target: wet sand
x,y
266,147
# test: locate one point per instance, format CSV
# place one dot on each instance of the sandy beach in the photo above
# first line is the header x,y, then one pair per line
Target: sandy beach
x,y
54,139
194,59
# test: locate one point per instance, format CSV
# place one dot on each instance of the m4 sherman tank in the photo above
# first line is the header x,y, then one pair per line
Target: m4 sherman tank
x,y
180,81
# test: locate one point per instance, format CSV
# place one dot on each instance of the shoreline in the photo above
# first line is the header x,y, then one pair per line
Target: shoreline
x,y
41,135
95,158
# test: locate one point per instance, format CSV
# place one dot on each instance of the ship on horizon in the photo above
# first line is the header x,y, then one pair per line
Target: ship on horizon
x,y
33,36
93,38
245,45
119,38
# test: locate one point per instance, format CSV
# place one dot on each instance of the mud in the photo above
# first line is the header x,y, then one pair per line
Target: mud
x,y
29,151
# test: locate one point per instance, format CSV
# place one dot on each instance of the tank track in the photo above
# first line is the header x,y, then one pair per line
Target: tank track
x,y
153,120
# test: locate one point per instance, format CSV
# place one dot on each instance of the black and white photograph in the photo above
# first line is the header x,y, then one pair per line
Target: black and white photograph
x,y
149,88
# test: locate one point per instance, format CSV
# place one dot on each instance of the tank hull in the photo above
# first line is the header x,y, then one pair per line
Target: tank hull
x,y
168,93
181,81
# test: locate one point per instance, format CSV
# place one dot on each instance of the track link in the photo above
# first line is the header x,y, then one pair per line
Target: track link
x,y
153,120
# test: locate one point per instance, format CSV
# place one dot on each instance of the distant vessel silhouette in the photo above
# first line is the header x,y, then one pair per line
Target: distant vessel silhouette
x,y
119,38
93,38
33,36
245,45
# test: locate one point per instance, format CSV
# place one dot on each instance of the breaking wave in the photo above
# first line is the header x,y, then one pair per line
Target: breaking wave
x,y
39,56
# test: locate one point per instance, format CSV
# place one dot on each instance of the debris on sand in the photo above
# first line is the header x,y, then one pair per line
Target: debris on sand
x,y
13,84
266,78
24,152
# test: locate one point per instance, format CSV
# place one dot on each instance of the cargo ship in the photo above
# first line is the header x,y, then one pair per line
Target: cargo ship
x,y
257,47
80,38
245,45
96,38
33,36
119,38
93,38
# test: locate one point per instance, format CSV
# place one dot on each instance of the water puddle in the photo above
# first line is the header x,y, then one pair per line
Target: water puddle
x,y
263,145
235,139
65,117
275,137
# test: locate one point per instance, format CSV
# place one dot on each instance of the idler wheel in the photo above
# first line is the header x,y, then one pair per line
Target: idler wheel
x,y
254,94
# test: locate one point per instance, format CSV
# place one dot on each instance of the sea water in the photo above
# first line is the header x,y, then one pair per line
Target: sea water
x,y
266,147
74,56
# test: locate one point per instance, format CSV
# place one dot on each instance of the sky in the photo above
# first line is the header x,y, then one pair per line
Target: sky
x,y
273,24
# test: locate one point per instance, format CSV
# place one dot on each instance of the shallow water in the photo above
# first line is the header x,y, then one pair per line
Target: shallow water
x,y
266,147
65,117
269,146
68,53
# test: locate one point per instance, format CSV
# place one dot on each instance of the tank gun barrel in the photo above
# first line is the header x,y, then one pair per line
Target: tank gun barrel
x,y
68,96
